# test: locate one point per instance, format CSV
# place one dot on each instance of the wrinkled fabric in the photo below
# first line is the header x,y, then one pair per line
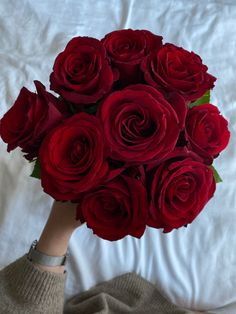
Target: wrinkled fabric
x,y
195,266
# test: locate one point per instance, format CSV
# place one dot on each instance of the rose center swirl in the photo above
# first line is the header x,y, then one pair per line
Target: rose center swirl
x,y
79,151
136,126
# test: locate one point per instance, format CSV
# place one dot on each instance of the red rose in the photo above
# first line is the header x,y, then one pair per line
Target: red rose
x,y
116,208
127,48
172,68
139,124
81,73
180,189
30,119
73,157
206,131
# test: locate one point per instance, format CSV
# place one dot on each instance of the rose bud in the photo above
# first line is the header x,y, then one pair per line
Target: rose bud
x,y
30,119
180,188
81,73
173,68
73,157
126,49
116,208
206,131
140,125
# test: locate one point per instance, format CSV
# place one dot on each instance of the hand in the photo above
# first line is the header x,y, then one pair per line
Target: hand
x,y
56,234
63,215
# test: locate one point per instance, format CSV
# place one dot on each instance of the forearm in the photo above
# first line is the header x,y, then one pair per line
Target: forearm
x,y
56,234
53,241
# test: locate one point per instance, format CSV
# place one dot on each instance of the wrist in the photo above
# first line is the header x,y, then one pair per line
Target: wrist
x,y
56,234
54,242
44,261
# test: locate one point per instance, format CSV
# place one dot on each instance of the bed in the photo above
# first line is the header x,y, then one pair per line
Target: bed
x,y
194,267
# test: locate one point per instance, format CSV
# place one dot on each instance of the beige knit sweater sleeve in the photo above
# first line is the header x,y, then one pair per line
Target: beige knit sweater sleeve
x,y
26,289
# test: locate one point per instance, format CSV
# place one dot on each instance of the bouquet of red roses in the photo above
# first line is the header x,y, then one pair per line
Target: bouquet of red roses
x,y
131,137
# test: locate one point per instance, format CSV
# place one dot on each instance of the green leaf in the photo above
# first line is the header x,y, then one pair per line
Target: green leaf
x,y
216,175
36,171
91,109
205,99
72,109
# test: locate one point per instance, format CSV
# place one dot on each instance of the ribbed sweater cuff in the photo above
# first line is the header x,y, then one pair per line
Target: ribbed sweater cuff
x,y
33,285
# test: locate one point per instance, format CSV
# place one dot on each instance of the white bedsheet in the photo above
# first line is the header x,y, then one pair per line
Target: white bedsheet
x,y
194,267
